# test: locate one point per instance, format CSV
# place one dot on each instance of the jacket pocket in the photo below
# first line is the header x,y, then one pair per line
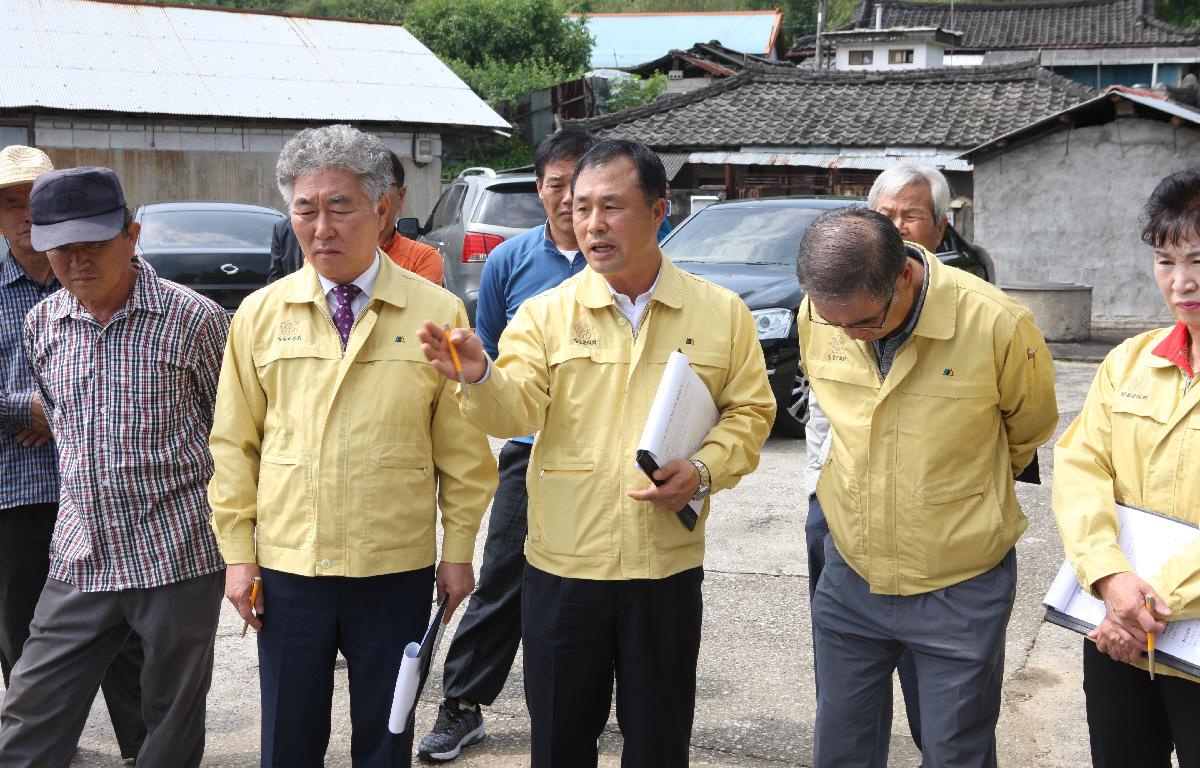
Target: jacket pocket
x,y
570,512
399,512
285,502
958,530
841,500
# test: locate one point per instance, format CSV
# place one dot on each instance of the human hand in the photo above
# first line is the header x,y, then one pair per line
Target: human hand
x,y
470,351
29,438
40,424
680,480
1122,634
455,581
38,434
239,581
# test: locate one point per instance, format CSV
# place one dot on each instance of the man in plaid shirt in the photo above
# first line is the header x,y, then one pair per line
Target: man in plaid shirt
x,y
126,366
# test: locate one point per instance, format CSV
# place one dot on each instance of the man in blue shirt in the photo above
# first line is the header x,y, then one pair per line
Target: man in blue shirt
x,y
28,460
482,652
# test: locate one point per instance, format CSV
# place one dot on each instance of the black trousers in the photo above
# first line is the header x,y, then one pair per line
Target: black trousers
x,y
1133,721
25,534
579,634
485,644
306,621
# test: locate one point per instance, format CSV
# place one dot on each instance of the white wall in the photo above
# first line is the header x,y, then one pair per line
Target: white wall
x,y
924,55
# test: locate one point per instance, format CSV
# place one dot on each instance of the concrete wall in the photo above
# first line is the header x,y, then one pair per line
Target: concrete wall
x,y
1065,208
207,160
924,56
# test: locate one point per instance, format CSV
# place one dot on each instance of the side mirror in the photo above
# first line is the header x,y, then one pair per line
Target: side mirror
x,y
410,228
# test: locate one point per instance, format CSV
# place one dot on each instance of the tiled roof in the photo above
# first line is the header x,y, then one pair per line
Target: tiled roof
x,y
951,107
1056,23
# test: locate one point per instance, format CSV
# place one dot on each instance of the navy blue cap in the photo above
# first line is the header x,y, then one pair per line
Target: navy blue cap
x,y
75,205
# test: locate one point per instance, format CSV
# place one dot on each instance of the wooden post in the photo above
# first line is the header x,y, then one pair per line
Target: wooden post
x,y
730,184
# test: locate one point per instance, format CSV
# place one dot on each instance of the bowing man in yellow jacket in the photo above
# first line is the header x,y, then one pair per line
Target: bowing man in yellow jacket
x,y
335,444
1137,442
939,389
613,578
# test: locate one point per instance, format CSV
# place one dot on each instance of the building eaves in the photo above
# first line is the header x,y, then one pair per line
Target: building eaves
x,y
1098,110
1028,25
948,107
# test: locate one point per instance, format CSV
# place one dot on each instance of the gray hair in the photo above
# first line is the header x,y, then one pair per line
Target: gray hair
x,y
850,252
903,175
343,147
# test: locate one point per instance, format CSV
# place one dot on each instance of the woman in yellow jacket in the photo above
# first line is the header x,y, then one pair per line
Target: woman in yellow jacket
x,y
1137,442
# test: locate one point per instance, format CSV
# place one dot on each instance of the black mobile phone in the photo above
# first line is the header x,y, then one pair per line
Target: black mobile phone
x,y
647,464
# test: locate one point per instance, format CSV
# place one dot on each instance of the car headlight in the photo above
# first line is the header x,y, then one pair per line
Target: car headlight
x,y
772,323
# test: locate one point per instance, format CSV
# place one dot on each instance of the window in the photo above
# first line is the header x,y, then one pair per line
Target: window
x,y
447,208
859,58
900,56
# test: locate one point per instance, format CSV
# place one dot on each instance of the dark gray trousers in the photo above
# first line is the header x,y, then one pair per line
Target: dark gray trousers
x,y
956,637
73,639
482,653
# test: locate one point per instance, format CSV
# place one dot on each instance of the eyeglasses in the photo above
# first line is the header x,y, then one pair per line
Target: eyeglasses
x,y
869,326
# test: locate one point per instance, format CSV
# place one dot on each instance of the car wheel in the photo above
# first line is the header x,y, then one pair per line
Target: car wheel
x,y
793,415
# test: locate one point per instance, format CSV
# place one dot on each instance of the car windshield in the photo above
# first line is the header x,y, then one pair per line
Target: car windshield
x,y
206,228
511,205
768,234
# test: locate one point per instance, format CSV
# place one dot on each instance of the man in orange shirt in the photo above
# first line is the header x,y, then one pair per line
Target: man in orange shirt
x,y
408,254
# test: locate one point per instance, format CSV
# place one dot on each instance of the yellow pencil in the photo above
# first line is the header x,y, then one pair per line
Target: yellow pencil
x,y
253,599
462,380
1150,636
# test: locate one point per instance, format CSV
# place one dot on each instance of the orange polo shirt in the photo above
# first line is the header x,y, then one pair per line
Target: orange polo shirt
x,y
415,257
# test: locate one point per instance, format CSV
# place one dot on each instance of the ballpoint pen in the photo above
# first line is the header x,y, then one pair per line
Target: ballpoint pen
x,y
462,380
1150,636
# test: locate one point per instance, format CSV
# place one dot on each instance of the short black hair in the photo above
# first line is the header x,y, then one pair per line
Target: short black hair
x,y
652,177
397,169
566,144
850,251
1173,210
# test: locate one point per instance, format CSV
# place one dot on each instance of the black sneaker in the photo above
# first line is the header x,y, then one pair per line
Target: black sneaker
x,y
455,728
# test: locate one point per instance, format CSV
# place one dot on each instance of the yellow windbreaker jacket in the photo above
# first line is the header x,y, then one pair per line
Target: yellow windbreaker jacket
x,y
918,486
1137,442
335,465
571,370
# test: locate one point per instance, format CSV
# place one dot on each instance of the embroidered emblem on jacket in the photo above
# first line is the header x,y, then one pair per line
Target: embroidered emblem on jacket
x,y
836,350
1135,388
584,335
289,330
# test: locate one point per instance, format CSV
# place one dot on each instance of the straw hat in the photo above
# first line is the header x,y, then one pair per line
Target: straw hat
x,y
21,165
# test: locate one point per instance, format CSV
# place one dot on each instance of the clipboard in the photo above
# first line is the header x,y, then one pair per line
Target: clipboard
x,y
414,671
647,464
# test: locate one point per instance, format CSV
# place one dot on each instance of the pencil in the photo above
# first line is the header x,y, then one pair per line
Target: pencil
x,y
253,598
1150,636
462,380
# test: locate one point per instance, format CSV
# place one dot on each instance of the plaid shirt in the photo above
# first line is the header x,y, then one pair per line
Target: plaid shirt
x,y
131,405
30,474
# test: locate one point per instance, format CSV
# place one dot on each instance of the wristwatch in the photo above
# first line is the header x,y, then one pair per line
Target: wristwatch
x,y
705,481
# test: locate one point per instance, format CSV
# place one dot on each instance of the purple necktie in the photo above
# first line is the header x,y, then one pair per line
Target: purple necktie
x,y
343,316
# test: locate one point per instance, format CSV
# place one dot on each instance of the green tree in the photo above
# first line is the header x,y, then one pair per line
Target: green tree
x,y
633,91
497,81
483,32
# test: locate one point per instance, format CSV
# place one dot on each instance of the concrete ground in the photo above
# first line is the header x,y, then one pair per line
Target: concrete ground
x,y
755,704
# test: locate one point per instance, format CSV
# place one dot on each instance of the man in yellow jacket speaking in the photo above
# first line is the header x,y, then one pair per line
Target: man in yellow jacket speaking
x,y
335,443
613,578
939,389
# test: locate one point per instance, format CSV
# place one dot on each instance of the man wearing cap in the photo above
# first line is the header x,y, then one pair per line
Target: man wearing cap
x,y
126,366
29,497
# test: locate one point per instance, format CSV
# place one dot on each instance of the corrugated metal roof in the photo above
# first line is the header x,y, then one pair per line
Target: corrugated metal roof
x,y
629,39
829,160
116,57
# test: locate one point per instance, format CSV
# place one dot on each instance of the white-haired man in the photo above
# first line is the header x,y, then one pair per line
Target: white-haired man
x,y
335,445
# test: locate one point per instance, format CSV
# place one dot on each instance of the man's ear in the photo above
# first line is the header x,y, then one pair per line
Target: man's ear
x,y
135,229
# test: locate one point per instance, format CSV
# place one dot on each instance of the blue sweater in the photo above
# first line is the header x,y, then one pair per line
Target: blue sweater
x,y
518,268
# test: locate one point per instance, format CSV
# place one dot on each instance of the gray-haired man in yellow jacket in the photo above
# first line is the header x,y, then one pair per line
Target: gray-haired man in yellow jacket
x,y
939,389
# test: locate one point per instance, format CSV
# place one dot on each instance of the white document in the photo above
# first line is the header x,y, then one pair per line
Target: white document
x,y
1148,541
405,694
681,416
